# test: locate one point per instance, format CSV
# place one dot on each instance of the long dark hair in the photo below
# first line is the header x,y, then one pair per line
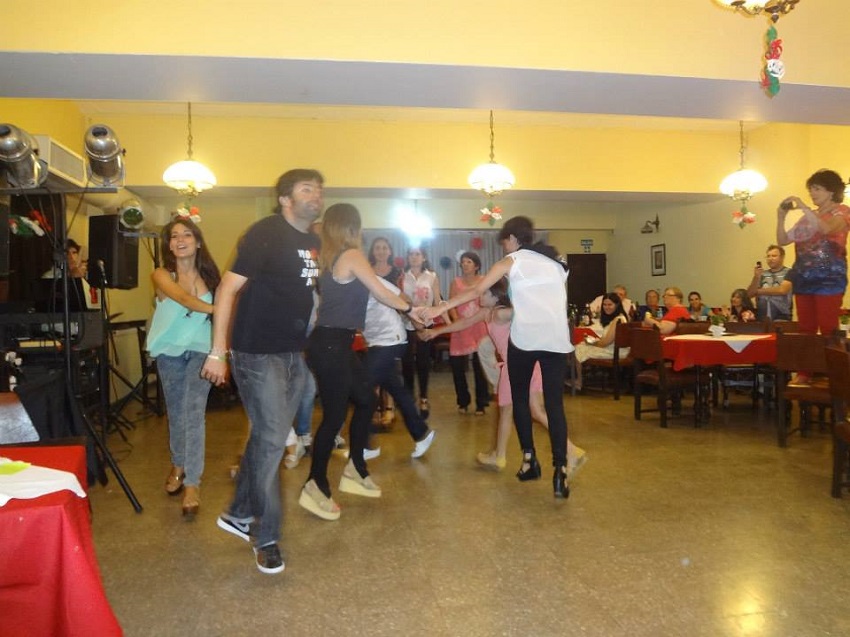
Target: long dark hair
x,y
500,290
605,319
340,231
203,259
371,256
746,303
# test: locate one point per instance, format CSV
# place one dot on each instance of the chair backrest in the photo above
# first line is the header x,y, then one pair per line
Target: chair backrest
x,y
749,327
646,344
795,351
691,327
623,335
838,364
784,326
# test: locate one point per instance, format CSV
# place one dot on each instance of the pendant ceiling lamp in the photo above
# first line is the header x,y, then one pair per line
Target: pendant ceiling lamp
x,y
743,183
774,8
491,178
189,177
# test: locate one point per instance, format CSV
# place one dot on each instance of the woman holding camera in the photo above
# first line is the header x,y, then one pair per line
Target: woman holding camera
x,y
819,275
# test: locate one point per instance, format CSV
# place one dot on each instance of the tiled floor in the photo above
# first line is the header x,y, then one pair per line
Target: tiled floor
x,y
711,531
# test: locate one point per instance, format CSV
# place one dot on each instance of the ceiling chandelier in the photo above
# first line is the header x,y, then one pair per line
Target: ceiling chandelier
x,y
189,177
774,8
743,183
491,178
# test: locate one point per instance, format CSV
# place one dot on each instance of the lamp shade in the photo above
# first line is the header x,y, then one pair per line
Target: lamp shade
x,y
189,176
491,178
743,184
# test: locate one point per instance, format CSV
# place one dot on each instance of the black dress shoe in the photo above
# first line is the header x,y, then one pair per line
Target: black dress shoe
x,y
530,469
559,482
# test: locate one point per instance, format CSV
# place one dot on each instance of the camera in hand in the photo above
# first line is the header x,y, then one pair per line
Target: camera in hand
x,y
787,205
758,264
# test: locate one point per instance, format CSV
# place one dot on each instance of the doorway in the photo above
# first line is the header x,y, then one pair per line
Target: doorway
x,y
588,278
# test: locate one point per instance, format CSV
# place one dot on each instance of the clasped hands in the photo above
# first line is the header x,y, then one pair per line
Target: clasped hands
x,y
215,371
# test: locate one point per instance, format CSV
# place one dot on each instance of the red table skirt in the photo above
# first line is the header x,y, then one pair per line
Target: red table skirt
x,y
713,351
49,577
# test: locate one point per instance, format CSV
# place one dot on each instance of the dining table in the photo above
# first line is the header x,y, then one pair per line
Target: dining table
x,y
50,584
701,351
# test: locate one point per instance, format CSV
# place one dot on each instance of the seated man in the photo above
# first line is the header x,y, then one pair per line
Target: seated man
x,y
771,288
650,306
628,306
676,312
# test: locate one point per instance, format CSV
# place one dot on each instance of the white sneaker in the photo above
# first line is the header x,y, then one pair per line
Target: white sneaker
x,y
368,454
423,445
371,454
291,460
306,440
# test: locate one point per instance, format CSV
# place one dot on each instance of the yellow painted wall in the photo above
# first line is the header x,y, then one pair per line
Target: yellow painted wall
x,y
689,38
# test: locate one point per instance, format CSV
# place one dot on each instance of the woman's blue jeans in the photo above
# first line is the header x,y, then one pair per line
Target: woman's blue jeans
x,y
186,396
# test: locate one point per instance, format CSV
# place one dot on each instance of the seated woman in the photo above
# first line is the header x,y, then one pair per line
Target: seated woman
x,y
741,307
603,347
675,312
699,310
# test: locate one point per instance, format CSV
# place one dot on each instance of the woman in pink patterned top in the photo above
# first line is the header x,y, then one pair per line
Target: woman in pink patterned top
x,y
465,342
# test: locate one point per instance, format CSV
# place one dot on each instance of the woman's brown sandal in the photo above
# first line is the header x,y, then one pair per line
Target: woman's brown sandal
x,y
191,502
174,481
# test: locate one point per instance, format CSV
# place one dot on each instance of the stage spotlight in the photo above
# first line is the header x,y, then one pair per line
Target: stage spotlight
x,y
19,158
105,156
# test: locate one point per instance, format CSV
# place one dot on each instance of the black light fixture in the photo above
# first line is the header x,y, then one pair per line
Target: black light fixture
x,y
648,226
19,158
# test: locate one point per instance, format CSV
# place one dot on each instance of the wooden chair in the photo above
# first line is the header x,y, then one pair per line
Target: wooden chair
x,y
651,369
838,363
799,352
616,365
742,376
691,327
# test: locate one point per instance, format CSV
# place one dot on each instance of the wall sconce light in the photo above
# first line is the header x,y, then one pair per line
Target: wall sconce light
x,y
19,158
648,226
105,156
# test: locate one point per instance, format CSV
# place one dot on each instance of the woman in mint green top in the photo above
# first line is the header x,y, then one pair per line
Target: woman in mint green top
x,y
179,338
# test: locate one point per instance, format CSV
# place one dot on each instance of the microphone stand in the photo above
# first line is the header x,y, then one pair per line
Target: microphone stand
x,y
99,439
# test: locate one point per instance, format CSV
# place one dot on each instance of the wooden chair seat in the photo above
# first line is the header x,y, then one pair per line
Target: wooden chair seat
x,y
797,352
617,364
838,361
652,370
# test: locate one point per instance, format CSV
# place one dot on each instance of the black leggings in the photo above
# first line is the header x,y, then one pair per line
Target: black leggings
x,y
340,378
417,358
553,366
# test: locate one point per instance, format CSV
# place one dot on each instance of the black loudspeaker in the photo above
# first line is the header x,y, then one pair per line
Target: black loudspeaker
x,y
118,252
4,240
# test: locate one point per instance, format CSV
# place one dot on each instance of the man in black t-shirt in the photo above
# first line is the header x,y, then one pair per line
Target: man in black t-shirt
x,y
274,278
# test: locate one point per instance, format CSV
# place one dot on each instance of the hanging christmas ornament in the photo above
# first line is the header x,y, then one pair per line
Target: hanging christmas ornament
x,y
774,68
491,213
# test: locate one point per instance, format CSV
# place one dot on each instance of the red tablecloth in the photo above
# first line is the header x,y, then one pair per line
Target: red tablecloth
x,y
688,350
49,578
580,332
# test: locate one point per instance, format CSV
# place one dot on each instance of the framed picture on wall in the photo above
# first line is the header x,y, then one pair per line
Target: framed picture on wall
x,y
658,260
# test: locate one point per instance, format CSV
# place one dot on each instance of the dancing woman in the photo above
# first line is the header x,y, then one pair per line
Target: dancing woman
x,y
421,285
539,334
179,339
345,282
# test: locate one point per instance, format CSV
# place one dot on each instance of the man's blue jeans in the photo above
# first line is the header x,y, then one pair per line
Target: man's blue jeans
x,y
186,396
271,386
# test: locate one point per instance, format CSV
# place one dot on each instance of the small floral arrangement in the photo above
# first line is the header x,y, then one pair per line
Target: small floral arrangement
x,y
844,316
491,213
743,217
192,213
718,319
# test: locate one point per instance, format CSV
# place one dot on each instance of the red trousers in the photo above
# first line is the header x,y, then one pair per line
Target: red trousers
x,y
818,312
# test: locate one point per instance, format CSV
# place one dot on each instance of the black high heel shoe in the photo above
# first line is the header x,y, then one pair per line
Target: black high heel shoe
x,y
559,482
530,469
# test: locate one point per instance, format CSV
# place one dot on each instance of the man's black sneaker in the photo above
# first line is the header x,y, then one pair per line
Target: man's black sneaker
x,y
239,529
269,559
